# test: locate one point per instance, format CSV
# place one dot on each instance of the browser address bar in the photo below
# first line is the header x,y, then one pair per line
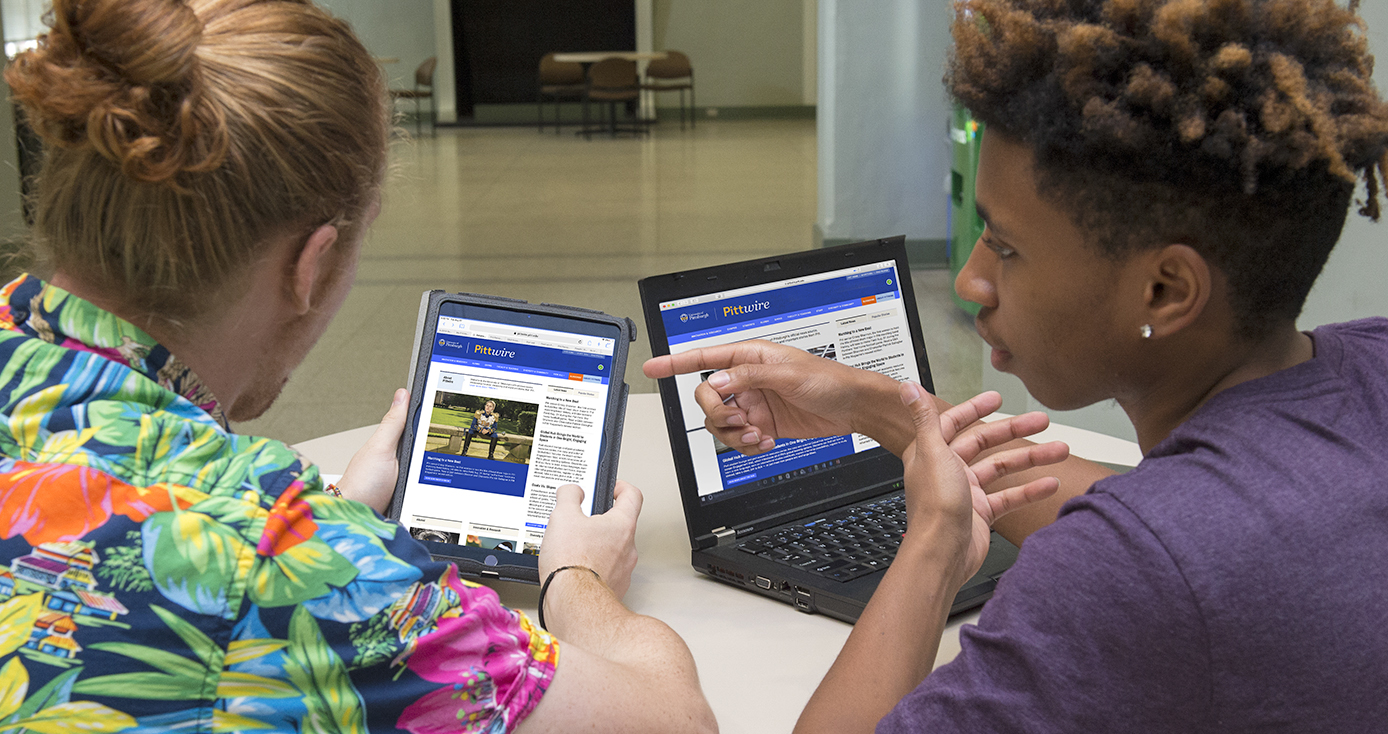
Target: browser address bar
x,y
518,334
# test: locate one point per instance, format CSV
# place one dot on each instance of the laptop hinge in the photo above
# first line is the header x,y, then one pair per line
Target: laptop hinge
x,y
724,533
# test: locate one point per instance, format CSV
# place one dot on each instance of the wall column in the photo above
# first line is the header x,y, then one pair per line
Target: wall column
x,y
883,124
445,86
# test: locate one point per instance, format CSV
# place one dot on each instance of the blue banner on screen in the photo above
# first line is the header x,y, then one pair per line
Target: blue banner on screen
x,y
521,358
704,320
787,457
470,472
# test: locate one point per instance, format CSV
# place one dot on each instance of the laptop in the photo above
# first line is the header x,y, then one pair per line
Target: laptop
x,y
815,522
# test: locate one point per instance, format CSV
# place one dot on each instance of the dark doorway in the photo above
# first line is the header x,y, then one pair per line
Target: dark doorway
x,y
497,44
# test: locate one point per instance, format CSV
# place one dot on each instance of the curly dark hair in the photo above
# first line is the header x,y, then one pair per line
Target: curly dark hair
x,y
1239,127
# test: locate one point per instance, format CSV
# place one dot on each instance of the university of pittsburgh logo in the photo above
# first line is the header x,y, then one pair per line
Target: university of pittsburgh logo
x,y
684,317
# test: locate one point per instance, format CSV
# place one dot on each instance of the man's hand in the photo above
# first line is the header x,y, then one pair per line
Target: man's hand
x,y
945,476
605,543
619,671
371,474
764,391
946,541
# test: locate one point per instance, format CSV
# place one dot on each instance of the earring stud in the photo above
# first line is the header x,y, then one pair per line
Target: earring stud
x,y
1146,331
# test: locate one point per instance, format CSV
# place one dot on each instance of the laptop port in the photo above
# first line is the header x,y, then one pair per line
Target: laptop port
x,y
803,600
763,583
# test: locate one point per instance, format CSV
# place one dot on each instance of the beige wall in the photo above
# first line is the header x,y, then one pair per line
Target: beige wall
x,y
745,53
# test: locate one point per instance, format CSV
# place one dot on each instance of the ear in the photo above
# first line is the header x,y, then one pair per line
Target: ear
x,y
310,267
1179,284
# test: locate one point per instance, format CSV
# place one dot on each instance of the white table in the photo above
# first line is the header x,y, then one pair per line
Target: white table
x,y
593,57
759,660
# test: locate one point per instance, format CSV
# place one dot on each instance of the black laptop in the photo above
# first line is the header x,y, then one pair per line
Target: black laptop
x,y
814,522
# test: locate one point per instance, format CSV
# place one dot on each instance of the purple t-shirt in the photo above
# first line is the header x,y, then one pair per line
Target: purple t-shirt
x,y
1235,581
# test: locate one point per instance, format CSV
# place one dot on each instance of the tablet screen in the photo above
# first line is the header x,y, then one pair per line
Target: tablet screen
x,y
513,407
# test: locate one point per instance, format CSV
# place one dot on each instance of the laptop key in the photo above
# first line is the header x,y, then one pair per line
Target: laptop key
x,y
848,573
830,566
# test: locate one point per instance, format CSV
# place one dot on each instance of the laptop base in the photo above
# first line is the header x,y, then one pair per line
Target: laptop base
x,y
806,592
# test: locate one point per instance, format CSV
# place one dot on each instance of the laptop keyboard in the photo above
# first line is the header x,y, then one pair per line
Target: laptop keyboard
x,y
842,546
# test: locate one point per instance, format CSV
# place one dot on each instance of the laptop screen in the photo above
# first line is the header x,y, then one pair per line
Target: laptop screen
x,y
854,315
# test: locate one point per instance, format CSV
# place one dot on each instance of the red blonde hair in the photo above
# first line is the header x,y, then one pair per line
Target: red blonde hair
x,y
181,135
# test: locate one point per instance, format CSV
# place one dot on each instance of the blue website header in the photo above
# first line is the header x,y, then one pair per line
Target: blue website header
x,y
700,321
522,358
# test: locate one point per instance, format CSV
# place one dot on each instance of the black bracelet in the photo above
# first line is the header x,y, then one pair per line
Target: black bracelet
x,y
545,587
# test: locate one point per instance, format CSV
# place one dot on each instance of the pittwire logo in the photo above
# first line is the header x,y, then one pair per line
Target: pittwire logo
x,y
746,308
490,352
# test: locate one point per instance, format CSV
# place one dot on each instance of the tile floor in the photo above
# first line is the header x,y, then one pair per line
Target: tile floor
x,y
545,217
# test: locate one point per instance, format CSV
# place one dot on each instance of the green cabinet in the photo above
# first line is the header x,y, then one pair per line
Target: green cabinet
x,y
965,226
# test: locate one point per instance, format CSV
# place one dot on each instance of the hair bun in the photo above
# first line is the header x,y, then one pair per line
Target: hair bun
x,y
123,77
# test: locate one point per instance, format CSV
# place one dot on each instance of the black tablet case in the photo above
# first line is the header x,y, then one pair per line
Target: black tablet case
x,y
489,563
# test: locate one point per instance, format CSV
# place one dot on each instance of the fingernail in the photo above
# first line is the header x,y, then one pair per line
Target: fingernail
x,y
910,393
400,396
767,444
736,420
719,379
749,437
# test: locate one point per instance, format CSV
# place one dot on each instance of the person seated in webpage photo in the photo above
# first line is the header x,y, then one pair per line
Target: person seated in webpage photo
x,y
484,425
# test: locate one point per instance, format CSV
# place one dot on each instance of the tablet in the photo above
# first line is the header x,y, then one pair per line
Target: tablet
x,y
508,401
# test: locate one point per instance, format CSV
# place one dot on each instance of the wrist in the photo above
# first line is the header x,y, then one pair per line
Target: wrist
x,y
880,414
570,570
935,553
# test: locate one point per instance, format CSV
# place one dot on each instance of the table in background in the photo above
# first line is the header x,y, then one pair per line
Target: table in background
x,y
759,660
646,110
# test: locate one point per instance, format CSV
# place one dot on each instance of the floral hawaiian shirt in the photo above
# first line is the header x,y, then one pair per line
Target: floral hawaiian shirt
x,y
160,573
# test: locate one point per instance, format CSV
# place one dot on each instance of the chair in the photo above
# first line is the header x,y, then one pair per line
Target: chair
x,y
668,71
423,89
612,81
559,80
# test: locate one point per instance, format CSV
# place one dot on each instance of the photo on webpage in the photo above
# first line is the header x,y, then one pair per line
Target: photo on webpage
x,y
482,427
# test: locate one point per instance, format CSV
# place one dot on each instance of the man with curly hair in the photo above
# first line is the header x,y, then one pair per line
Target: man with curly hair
x,y
1161,183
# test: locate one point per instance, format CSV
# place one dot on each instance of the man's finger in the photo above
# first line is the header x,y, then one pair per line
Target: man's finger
x,y
568,496
712,401
694,360
923,414
779,377
742,438
1015,498
392,426
1012,461
984,436
970,411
